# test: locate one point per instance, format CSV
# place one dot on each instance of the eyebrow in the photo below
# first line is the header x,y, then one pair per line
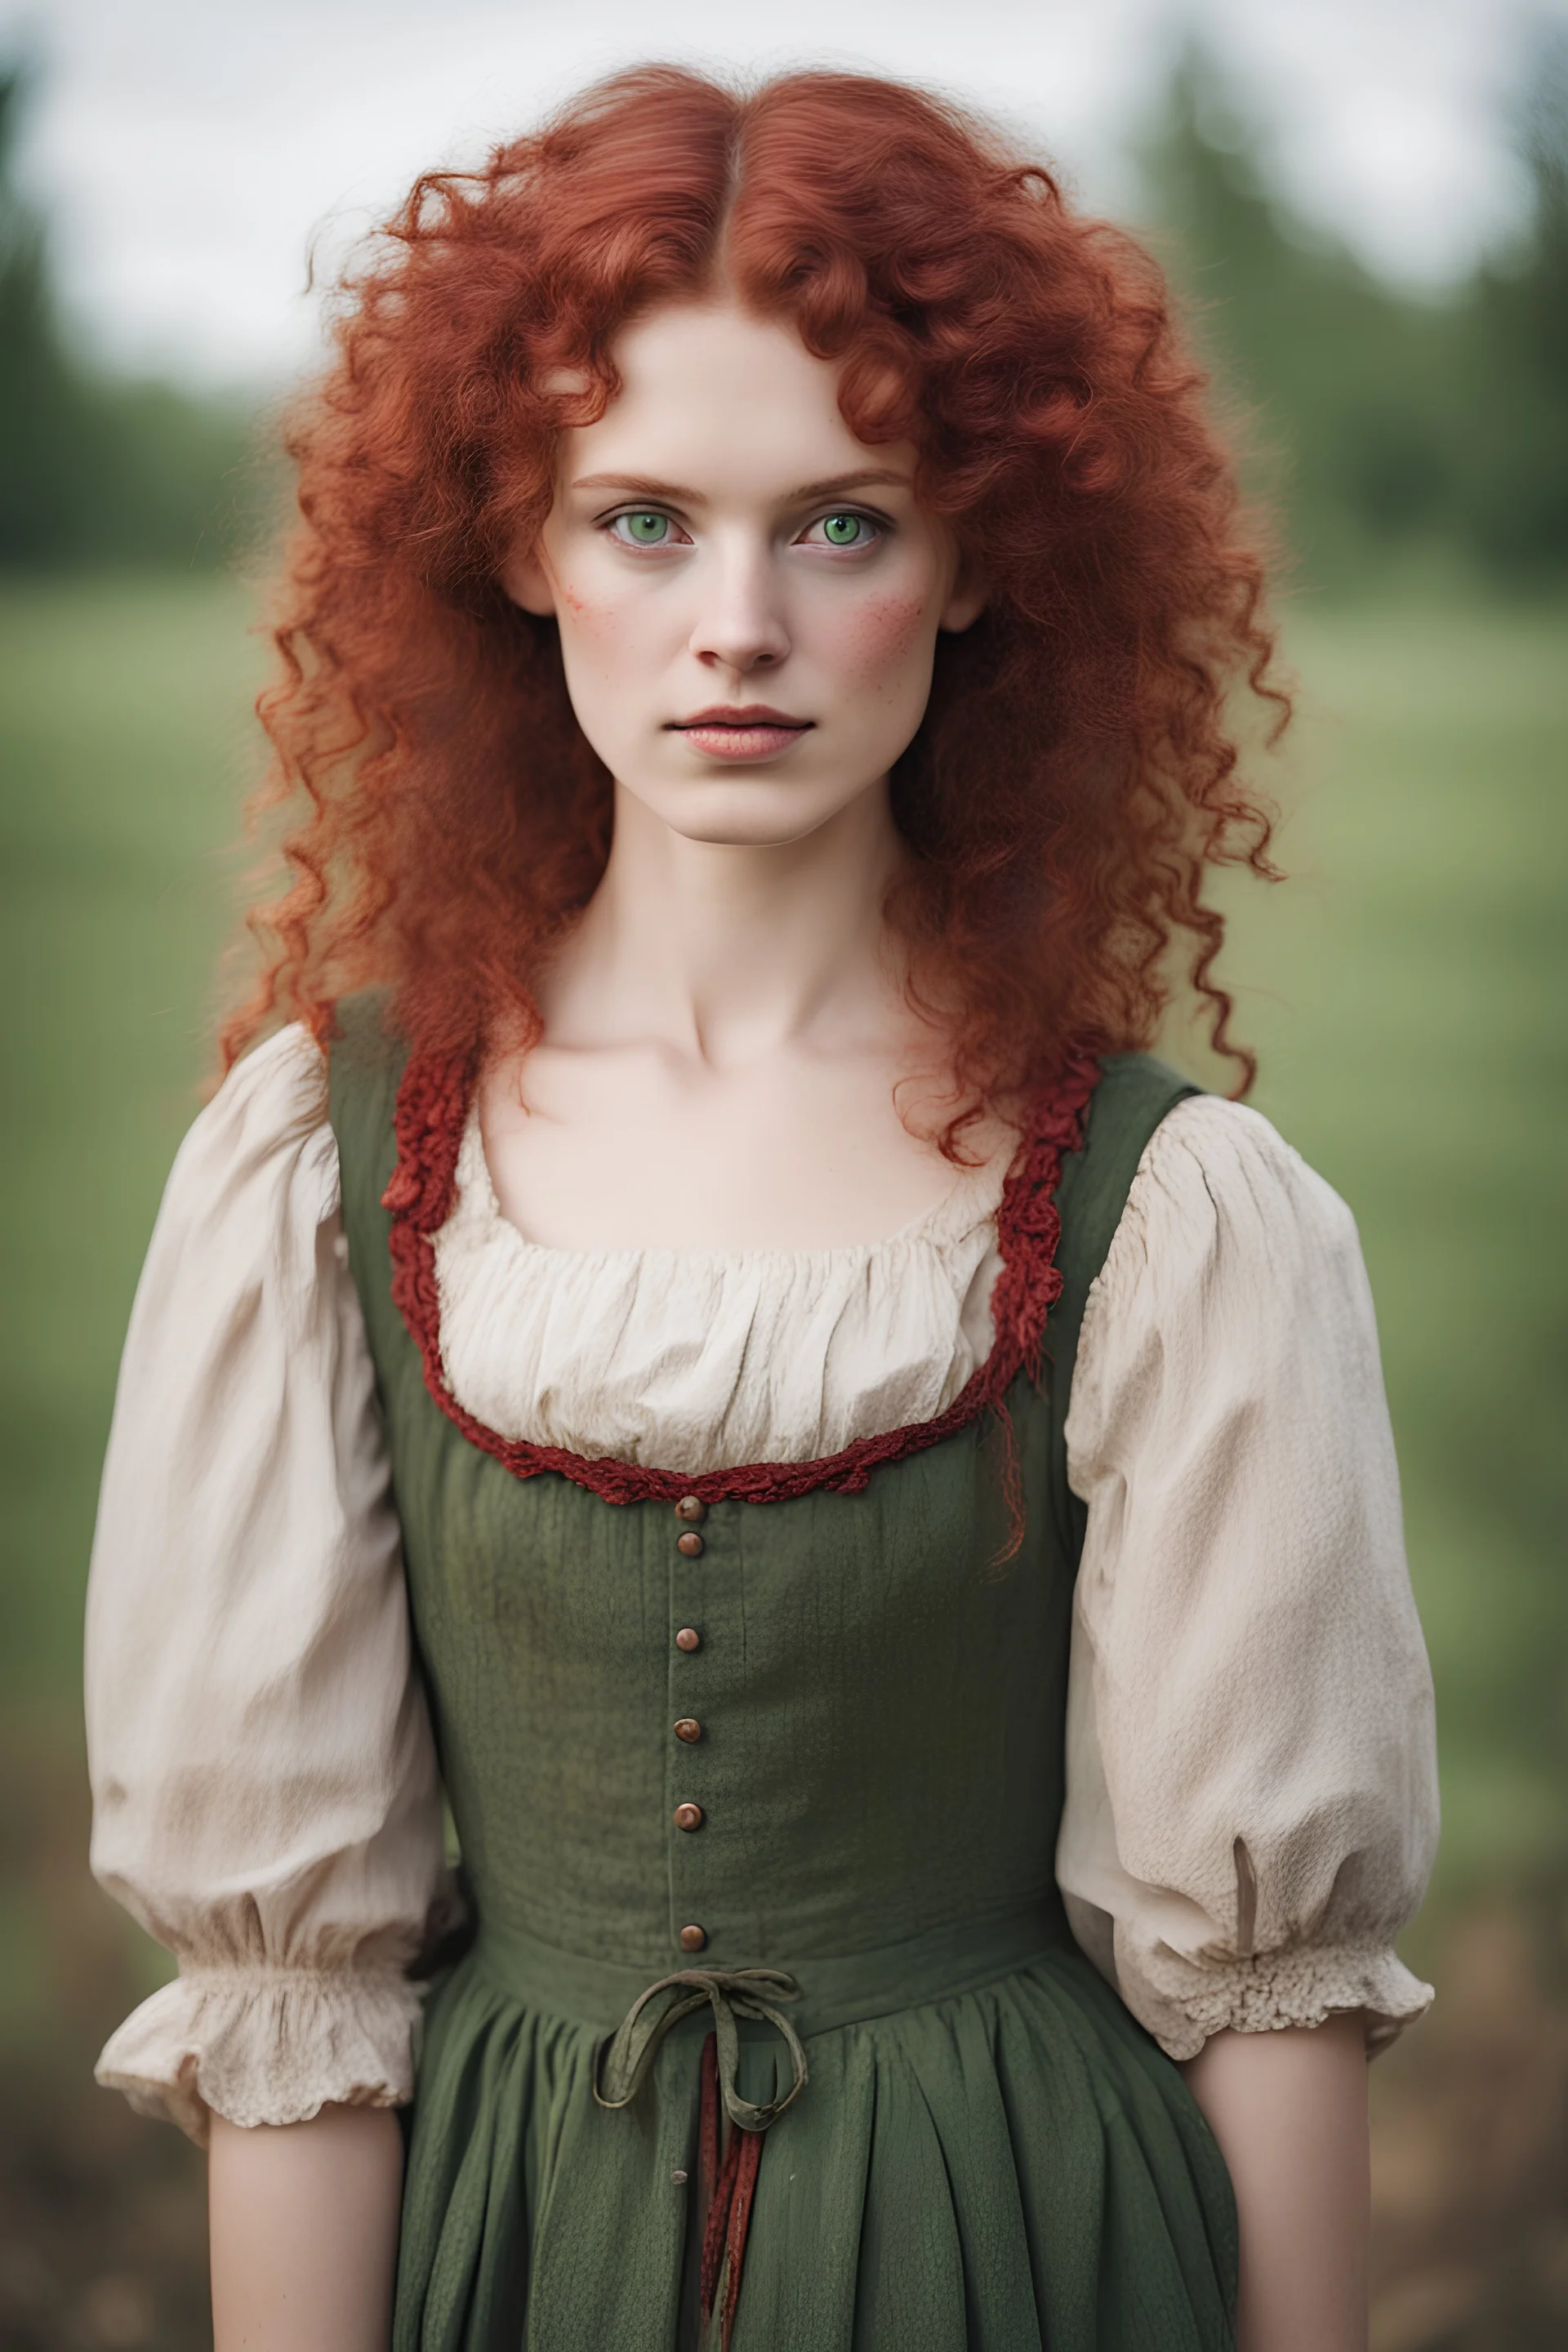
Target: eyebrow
x,y
644,486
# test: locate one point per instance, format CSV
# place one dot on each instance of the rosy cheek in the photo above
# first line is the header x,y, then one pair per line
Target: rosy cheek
x,y
598,621
880,634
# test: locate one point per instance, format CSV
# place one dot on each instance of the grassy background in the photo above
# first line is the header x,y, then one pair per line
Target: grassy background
x,y
1406,989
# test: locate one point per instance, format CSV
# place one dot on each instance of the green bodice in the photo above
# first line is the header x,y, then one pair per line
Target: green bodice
x,y
869,1727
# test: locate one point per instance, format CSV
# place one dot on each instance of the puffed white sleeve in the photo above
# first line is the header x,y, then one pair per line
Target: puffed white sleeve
x,y
266,1795
1251,1804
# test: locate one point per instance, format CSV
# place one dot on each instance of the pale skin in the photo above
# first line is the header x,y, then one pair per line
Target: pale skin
x,y
722,1036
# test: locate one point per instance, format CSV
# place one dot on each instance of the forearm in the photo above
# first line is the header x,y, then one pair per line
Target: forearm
x,y
1289,2110
304,2232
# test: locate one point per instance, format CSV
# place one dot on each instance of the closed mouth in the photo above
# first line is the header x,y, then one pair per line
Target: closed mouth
x,y
751,736
754,715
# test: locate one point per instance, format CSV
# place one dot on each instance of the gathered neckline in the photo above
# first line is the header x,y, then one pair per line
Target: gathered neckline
x,y
433,1115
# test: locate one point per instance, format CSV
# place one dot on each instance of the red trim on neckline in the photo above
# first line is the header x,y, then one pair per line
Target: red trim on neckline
x,y
432,1111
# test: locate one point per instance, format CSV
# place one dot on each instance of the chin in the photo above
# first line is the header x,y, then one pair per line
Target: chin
x,y
755,815
737,833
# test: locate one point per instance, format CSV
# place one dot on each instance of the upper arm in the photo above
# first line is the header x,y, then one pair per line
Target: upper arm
x,y
1251,1797
265,1787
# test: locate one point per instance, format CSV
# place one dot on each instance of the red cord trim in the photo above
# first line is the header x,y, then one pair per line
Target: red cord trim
x,y
742,2195
728,2191
432,1110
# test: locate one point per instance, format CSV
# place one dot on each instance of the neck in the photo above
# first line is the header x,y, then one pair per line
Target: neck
x,y
726,952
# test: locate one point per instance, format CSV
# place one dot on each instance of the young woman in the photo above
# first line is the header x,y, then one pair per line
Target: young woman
x,y
702,1336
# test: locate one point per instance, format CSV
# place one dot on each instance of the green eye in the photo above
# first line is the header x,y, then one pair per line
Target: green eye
x,y
844,530
646,530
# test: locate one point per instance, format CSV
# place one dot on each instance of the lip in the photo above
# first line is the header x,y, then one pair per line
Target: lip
x,y
728,731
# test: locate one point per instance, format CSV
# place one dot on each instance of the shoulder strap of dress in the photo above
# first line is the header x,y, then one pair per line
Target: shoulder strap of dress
x,y
365,1061
1133,1096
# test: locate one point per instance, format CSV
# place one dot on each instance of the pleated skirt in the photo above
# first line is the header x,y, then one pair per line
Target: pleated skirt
x,y
1014,2166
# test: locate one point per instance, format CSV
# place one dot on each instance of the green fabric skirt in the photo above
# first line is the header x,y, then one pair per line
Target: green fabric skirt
x,y
1012,2165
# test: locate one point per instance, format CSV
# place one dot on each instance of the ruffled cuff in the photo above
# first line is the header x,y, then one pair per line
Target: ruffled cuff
x,y
1182,2001
266,2046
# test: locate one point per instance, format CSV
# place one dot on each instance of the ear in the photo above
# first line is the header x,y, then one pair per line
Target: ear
x,y
968,598
527,584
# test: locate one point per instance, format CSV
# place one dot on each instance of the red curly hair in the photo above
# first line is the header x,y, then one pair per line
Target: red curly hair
x,y
1075,776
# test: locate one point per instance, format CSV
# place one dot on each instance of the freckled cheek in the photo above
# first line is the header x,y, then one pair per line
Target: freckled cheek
x,y
588,614
616,659
605,628
877,638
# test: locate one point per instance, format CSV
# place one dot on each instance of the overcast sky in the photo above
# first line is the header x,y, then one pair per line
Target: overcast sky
x,y
188,151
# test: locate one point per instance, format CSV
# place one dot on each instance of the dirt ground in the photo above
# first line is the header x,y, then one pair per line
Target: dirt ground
x,y
1470,2153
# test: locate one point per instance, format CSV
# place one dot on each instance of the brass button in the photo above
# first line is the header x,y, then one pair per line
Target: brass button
x,y
691,1546
688,1730
689,1639
693,1938
692,1509
689,1817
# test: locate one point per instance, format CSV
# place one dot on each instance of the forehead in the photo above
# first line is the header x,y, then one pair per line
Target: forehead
x,y
715,396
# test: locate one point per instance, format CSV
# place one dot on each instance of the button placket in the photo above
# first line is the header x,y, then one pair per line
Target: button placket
x,y
694,1674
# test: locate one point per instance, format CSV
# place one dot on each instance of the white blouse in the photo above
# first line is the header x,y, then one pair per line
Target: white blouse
x,y
698,1359
1251,1805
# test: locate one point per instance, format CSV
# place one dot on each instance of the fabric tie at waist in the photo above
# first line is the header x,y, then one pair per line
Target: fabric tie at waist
x,y
730,1993
839,1989
728,2187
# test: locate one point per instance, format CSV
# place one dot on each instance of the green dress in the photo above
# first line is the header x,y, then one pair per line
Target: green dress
x,y
849,1685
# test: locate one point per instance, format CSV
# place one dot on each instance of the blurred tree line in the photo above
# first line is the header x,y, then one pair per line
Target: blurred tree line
x,y
95,469
1389,430
1386,428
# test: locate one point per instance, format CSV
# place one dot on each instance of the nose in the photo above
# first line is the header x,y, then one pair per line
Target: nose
x,y
741,625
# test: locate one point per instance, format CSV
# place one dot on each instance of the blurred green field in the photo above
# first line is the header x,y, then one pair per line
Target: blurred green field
x,y
1406,987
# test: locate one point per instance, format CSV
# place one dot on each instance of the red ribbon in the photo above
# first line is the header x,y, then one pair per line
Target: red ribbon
x,y
728,2187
